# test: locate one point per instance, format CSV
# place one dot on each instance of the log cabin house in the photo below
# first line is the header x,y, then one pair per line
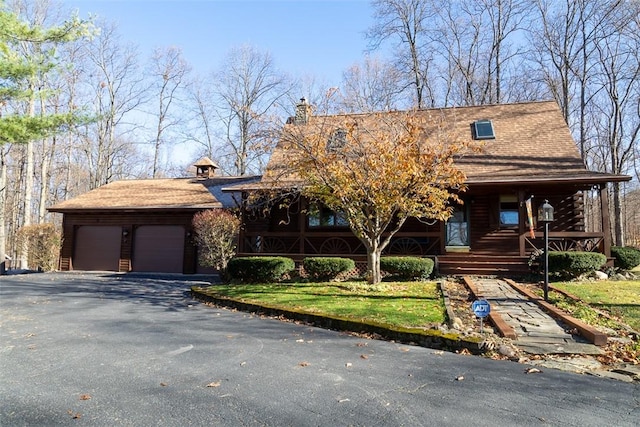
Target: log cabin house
x,y
529,156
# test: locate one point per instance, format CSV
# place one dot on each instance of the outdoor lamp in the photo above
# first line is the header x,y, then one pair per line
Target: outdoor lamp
x,y
545,215
545,212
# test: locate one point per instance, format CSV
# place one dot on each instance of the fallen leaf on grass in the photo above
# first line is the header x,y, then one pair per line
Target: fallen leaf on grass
x,y
85,396
214,384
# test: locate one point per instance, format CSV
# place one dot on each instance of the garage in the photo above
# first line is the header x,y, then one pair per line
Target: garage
x,y
142,225
97,248
158,248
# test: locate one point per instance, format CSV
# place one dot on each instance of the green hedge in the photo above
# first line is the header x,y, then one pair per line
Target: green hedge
x,y
259,269
407,267
626,258
575,263
327,268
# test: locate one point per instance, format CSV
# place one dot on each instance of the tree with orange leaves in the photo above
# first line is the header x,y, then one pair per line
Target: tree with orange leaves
x,y
377,170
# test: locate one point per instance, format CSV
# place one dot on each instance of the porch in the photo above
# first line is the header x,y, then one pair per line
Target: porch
x,y
448,261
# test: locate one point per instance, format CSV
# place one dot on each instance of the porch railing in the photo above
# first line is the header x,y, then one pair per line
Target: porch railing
x,y
564,241
339,244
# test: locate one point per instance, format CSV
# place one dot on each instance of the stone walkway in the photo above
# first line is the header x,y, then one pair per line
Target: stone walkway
x,y
536,331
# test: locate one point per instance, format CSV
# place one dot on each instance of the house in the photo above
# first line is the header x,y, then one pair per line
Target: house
x,y
528,157
142,225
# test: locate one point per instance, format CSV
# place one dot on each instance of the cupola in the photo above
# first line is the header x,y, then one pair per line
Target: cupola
x,y
205,168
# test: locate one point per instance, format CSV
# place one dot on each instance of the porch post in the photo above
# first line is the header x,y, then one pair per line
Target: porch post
x,y
302,223
606,222
243,222
522,214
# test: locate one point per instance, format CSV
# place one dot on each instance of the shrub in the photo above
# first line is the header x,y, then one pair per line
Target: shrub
x,y
259,269
407,267
626,258
575,263
327,268
216,234
41,243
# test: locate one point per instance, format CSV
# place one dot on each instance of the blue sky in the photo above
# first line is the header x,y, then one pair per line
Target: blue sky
x,y
305,37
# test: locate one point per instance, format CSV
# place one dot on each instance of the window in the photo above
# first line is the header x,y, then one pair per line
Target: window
x,y
325,217
509,212
483,129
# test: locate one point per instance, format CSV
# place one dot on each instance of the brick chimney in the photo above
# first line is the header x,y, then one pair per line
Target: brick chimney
x,y
205,168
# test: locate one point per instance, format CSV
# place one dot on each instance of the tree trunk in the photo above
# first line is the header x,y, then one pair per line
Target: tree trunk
x,y
28,190
3,199
617,215
374,275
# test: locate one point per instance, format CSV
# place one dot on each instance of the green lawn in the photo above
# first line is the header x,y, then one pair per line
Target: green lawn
x,y
621,299
403,304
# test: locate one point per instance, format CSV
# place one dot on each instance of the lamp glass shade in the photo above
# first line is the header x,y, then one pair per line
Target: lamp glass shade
x,y
545,212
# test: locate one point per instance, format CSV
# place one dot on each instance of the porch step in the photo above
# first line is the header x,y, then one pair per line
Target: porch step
x,y
482,265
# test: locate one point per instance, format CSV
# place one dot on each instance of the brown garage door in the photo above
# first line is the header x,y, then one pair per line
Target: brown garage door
x,y
158,248
97,248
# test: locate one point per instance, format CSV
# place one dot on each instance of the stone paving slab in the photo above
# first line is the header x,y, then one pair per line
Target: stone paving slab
x,y
564,348
536,331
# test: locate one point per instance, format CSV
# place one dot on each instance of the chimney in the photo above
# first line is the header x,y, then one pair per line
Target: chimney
x,y
303,112
205,168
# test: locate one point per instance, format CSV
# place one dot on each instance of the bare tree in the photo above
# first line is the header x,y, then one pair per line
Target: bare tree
x,y
475,40
169,71
249,87
406,22
203,120
373,85
564,38
619,104
115,84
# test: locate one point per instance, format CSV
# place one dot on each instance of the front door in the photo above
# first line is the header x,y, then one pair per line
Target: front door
x,y
457,229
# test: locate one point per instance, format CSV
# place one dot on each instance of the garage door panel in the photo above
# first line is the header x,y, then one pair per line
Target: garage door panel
x,y
158,248
97,248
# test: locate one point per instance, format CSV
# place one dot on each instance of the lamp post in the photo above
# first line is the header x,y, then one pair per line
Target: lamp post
x,y
545,215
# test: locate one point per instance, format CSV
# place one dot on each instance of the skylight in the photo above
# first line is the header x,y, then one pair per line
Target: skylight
x,y
483,129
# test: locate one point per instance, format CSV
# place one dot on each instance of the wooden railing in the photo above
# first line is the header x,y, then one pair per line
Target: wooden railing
x,y
334,244
563,241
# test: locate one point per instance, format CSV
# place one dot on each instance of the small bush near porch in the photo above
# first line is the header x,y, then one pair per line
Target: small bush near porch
x,y
400,304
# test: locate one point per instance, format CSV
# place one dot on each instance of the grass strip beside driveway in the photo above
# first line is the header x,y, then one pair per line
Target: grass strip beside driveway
x,y
401,304
621,299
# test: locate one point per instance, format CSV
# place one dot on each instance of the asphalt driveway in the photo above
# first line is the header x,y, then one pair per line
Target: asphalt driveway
x,y
110,350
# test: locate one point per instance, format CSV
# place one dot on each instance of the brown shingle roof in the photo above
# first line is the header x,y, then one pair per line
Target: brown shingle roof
x,y
159,194
532,144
